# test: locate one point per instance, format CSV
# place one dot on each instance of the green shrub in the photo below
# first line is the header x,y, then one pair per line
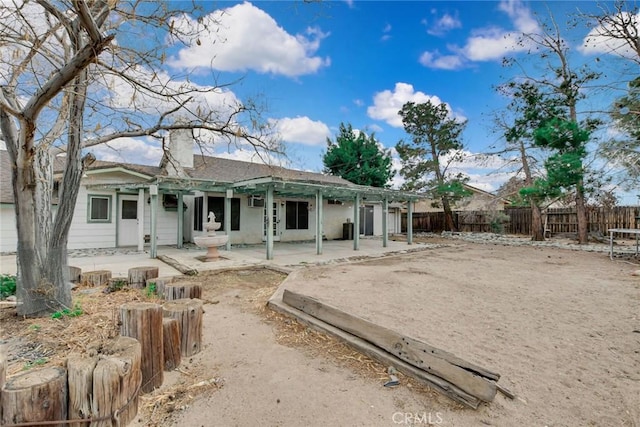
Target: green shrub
x,y
7,285
151,289
75,312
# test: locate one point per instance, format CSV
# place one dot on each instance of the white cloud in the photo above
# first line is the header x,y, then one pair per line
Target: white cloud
x,y
386,32
143,151
302,130
443,24
121,94
490,43
387,104
600,40
441,62
244,37
252,157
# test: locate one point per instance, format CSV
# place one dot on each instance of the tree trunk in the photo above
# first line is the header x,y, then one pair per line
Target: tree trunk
x,y
581,213
449,223
42,271
537,227
37,395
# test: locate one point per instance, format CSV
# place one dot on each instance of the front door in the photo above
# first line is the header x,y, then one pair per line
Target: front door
x,y
275,213
128,221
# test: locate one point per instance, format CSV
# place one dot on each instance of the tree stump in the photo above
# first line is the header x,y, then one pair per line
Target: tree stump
x,y
117,381
96,278
138,276
188,312
116,284
105,384
36,395
161,283
171,343
174,291
80,377
75,274
143,321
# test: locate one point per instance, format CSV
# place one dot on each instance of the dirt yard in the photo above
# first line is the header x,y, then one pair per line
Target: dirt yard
x,y
561,327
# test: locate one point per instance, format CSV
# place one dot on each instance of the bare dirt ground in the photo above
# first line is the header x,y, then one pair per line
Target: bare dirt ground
x,y
562,327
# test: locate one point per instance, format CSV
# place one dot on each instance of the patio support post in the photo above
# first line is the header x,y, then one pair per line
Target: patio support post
x,y
385,218
410,222
356,223
269,232
319,222
140,215
180,221
153,191
227,217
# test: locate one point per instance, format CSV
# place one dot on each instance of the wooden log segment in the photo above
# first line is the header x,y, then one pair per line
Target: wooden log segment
x,y
34,396
75,274
174,291
138,276
171,343
96,278
104,387
161,283
188,313
418,354
184,269
117,382
143,321
80,378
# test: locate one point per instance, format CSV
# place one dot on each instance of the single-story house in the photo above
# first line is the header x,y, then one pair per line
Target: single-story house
x,y
121,204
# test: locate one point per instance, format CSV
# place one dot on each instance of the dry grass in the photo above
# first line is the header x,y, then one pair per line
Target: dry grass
x,y
47,341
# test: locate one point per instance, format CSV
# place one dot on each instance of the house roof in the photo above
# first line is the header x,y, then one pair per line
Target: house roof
x,y
229,171
217,174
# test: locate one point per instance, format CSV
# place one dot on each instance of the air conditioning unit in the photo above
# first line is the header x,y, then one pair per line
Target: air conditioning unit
x,y
256,202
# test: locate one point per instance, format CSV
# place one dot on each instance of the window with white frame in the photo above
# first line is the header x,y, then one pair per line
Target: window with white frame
x,y
99,209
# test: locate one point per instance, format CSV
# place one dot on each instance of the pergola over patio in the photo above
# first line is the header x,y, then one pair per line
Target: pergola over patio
x,y
268,187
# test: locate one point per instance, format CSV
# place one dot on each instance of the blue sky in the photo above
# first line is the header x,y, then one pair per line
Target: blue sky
x,y
319,64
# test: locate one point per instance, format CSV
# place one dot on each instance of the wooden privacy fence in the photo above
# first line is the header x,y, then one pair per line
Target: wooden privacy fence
x,y
518,220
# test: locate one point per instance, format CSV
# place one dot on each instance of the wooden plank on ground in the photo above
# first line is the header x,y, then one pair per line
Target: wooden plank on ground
x,y
405,348
382,356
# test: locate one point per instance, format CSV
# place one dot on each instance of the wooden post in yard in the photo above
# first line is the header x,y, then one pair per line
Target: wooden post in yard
x,y
49,385
143,321
188,312
171,341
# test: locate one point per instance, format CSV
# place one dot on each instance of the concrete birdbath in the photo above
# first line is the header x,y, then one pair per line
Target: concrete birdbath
x,y
211,241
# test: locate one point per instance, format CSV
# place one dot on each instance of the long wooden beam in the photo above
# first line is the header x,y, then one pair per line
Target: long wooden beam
x,y
418,354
